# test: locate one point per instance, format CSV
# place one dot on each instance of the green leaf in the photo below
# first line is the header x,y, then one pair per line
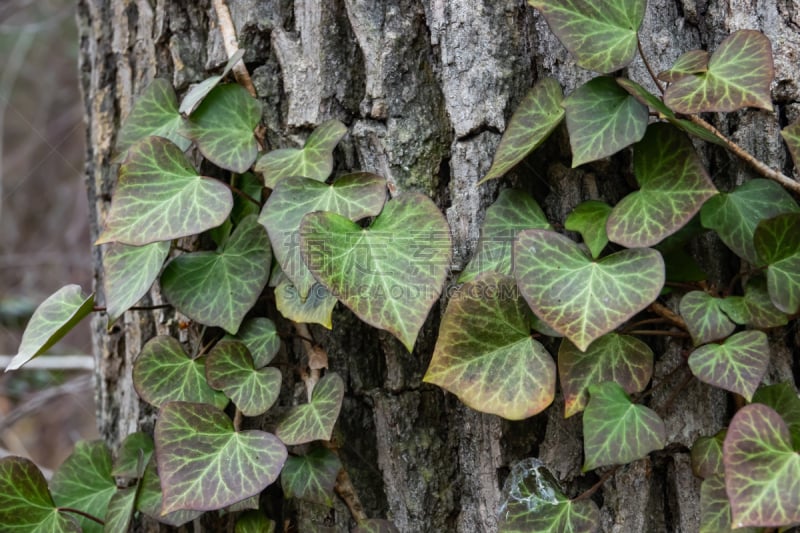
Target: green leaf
x,y
315,419
312,476
229,368
219,288
755,308
737,365
777,243
149,501
589,219
715,509
26,505
354,196
735,216
84,482
602,119
783,398
129,272
485,354
673,187
375,525
389,274
222,127
616,431
622,359
538,114
53,319
316,309
739,74
601,34
254,522
762,470
120,510
160,197
705,317
164,373
692,62
197,93
791,136
133,455
204,464
513,210
261,339
707,455
578,297
155,113
314,160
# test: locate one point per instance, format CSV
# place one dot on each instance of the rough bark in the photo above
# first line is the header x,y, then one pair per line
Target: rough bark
x,y
426,88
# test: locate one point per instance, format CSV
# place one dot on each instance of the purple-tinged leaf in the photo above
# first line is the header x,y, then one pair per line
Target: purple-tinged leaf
x,y
229,368
149,500
589,219
705,317
317,308
311,477
737,365
261,338
783,398
128,273
715,509
315,419
707,455
755,308
777,243
692,62
791,136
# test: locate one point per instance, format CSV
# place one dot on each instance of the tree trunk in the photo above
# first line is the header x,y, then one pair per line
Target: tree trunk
x,y
426,88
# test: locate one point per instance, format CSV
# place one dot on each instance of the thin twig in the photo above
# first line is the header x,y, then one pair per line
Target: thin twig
x,y
665,312
347,492
241,193
237,420
658,333
585,495
649,68
231,43
634,325
103,309
82,513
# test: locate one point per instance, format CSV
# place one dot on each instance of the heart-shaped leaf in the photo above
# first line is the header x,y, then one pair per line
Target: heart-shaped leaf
x,y
25,502
155,113
53,319
485,354
739,74
314,160
578,297
755,308
197,93
791,136
254,522
783,398
673,185
622,359
705,318
589,219
149,500
84,482
219,288
513,210
222,127
389,274
354,196
229,368
120,510
536,116
762,470
204,464
737,365
715,509
164,373
777,243
261,339
375,525
707,455
316,309
312,476
735,216
601,35
160,197
315,419
129,272
602,119
616,431
692,62
133,455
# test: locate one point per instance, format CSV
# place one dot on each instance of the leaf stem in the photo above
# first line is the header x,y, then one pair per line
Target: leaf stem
x,y
665,312
82,513
585,495
647,64
241,193
659,333
634,325
347,492
237,420
102,308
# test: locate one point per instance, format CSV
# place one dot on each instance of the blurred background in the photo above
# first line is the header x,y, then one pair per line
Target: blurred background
x,y
44,237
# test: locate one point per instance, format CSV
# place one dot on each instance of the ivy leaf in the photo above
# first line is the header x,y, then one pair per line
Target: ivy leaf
x,y
155,113
53,319
705,317
312,476
616,431
254,522
389,274
791,136
222,127
735,216
692,62
314,160
129,272
84,482
149,500
354,196
755,308
513,210
229,368
673,187
739,74
164,373
715,509
204,464
219,288
762,470
26,505
777,243
315,419
261,339
783,398
737,365
589,219
602,119
578,297
707,455
316,309
133,455
601,35
120,510
375,525
160,197
485,354
197,93
622,359
538,114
